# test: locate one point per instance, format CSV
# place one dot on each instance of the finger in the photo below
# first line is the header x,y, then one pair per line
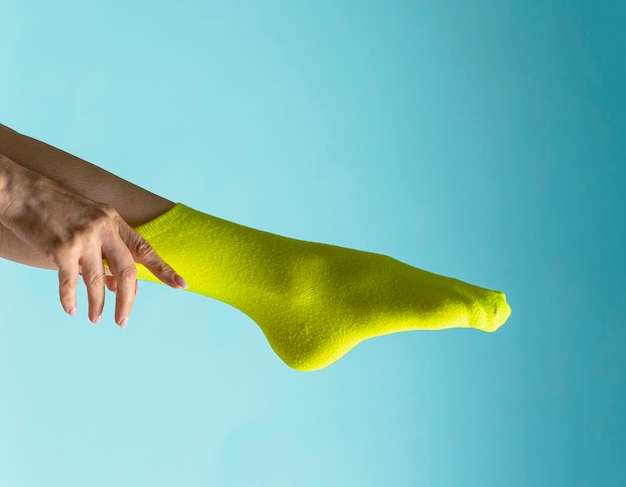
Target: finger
x,y
68,281
145,254
95,280
125,274
111,284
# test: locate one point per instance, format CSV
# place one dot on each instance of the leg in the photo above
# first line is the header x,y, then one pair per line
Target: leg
x,y
76,234
314,302
134,204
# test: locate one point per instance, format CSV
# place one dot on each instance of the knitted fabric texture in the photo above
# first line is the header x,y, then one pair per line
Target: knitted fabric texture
x,y
314,302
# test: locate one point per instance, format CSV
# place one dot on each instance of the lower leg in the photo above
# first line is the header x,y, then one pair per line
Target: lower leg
x,y
135,205
314,302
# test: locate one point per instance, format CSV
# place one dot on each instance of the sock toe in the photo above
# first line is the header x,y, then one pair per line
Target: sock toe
x,y
498,311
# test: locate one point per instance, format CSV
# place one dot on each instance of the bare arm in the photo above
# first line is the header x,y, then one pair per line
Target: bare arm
x,y
72,222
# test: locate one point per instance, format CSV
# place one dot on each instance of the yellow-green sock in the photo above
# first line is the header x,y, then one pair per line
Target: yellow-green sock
x,y
314,302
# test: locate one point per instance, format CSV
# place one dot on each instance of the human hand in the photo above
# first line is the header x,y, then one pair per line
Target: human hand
x,y
77,234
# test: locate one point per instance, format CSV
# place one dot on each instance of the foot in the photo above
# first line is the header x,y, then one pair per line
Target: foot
x,y
340,297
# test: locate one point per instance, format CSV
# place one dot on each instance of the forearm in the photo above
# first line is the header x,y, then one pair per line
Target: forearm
x,y
72,231
134,204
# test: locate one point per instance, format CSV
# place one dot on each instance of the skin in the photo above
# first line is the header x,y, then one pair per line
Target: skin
x,y
60,212
314,302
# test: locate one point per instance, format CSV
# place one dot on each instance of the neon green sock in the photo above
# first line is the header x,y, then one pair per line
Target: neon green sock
x,y
314,302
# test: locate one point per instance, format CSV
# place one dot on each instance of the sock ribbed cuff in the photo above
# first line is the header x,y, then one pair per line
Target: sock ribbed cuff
x,y
165,222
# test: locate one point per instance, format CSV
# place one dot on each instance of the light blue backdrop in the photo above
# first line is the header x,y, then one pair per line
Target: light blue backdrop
x,y
478,139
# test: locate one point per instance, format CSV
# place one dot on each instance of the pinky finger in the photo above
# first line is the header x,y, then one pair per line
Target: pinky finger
x,y
68,281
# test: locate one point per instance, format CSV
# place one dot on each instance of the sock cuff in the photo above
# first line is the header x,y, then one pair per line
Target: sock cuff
x,y
165,222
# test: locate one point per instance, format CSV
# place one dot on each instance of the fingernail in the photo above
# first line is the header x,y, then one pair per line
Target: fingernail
x,y
97,320
124,322
181,282
72,312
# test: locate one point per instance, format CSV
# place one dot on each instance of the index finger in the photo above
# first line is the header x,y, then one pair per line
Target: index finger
x,y
145,254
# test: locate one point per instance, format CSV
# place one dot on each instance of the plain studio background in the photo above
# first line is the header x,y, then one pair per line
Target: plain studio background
x,y
478,139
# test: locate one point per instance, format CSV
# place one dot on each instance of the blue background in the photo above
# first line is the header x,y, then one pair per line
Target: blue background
x,y
478,139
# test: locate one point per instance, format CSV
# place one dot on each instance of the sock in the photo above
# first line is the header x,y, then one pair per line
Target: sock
x,y
314,302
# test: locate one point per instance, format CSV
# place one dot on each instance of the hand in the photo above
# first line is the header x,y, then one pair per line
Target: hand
x,y
77,234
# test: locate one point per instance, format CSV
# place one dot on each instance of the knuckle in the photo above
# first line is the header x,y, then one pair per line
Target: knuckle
x,y
61,247
128,273
143,248
68,283
96,280
102,216
107,212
